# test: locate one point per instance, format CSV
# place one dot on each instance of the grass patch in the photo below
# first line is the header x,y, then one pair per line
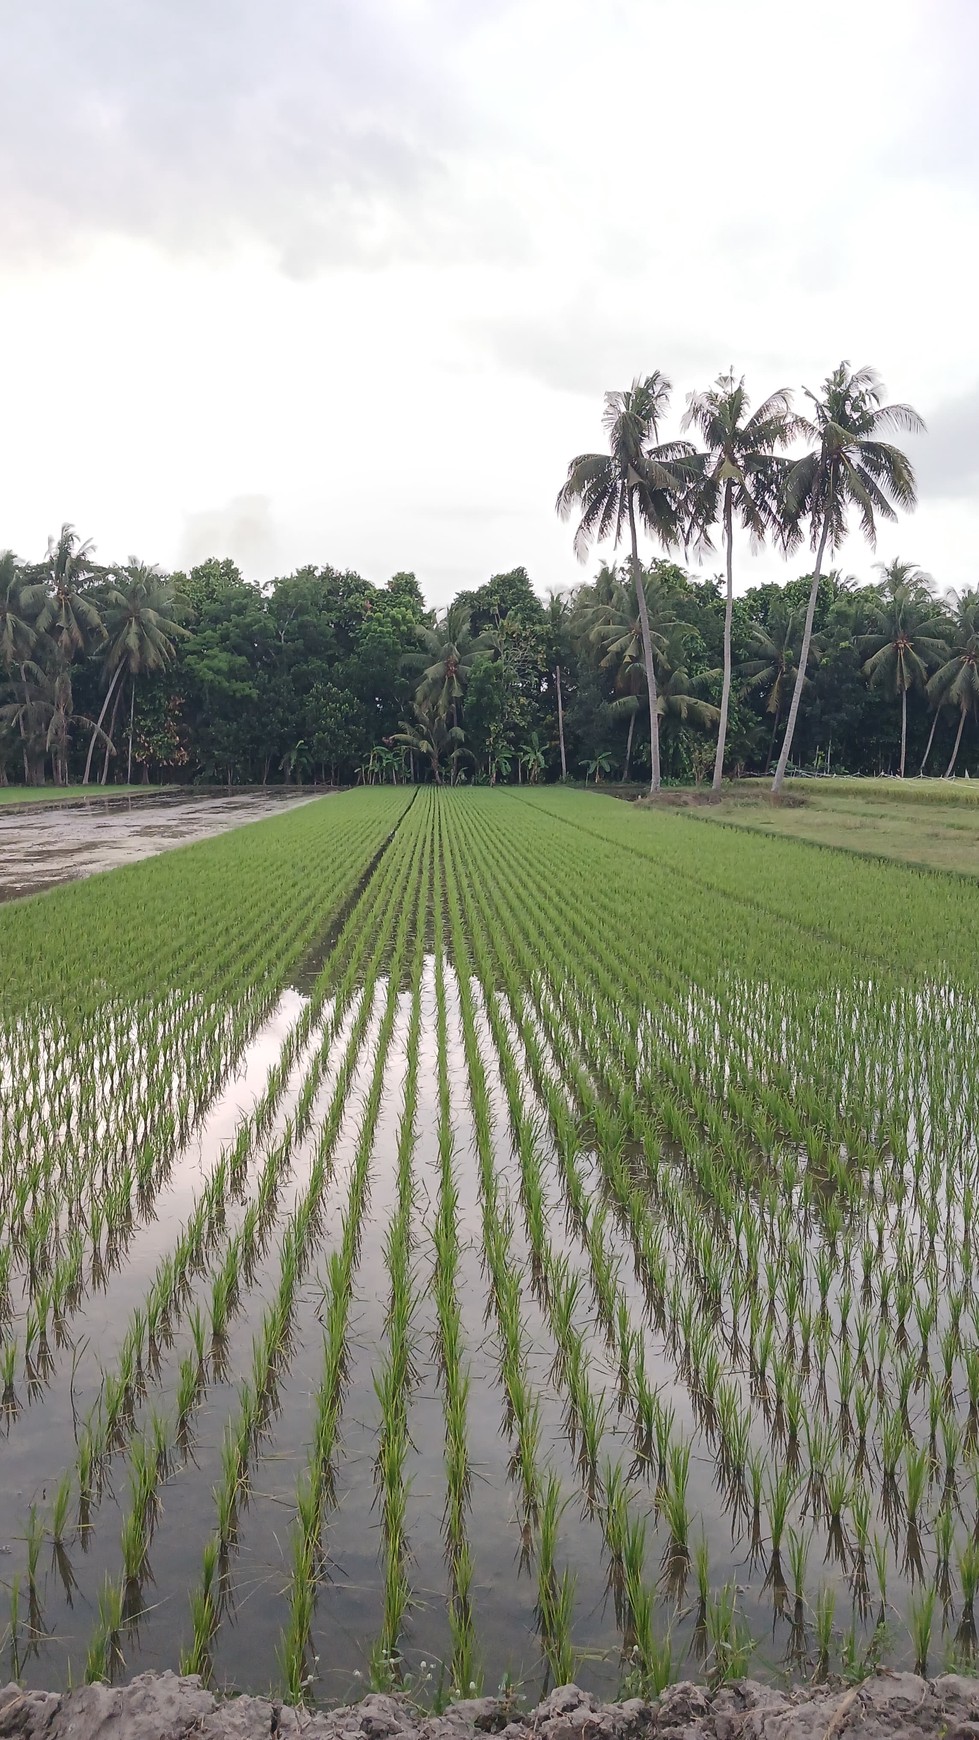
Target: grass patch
x,y
929,826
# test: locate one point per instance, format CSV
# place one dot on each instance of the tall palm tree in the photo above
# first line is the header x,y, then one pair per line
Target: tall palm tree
x,y
772,665
743,479
639,481
956,682
71,620
142,621
906,638
848,466
450,648
69,615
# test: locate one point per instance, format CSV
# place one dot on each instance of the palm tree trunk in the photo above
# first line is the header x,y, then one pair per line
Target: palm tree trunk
x,y
560,723
931,739
800,675
771,743
628,747
958,739
132,704
105,706
728,617
904,729
647,653
109,746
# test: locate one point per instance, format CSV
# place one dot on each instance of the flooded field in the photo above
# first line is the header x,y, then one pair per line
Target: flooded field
x,y
450,1236
49,844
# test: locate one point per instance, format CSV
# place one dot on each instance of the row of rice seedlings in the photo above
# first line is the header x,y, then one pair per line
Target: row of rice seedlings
x,y
555,1594
523,1418
607,1495
587,1410
126,1087
316,1482
583,1093
613,1310
141,952
395,1377
107,1426
464,1669
295,1253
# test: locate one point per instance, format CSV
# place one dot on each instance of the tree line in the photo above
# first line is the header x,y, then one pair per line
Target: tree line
x,y
746,474
639,673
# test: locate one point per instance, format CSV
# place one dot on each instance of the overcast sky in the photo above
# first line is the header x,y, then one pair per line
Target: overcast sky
x,y
345,280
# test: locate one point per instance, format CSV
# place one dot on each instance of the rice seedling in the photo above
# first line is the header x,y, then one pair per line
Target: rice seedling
x,y
825,1612
13,1638
728,1639
922,1617
205,1612
105,1658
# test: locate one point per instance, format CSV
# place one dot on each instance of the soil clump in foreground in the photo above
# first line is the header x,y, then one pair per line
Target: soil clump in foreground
x,y
169,1707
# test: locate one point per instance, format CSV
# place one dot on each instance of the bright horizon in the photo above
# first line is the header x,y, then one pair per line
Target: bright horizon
x,y
347,285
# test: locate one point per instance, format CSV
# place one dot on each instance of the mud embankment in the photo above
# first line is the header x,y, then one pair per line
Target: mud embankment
x,y
167,1707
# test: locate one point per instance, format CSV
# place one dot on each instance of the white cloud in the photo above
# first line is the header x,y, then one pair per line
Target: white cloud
x,y
346,283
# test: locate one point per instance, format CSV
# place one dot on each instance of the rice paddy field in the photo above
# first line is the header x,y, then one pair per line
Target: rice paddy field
x,y
932,823
459,1236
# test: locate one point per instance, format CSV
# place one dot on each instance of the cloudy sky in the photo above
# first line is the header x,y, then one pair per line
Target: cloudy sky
x,y
345,280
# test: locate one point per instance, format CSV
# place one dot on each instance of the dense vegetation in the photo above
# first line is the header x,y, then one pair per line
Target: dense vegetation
x,y
578,1277
639,672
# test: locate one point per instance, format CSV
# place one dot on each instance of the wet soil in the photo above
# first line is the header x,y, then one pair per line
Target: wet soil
x,y
166,1707
45,845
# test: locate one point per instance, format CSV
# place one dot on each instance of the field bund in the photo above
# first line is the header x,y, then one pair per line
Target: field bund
x,y
449,1238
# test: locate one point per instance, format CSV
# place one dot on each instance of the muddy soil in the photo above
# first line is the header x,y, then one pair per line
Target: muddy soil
x,y
43,846
166,1707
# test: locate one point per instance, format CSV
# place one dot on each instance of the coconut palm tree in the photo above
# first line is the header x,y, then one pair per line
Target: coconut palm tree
x,y
772,667
848,466
20,603
614,622
450,648
680,696
142,621
906,638
956,682
71,620
639,481
44,713
743,479
431,737
70,615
